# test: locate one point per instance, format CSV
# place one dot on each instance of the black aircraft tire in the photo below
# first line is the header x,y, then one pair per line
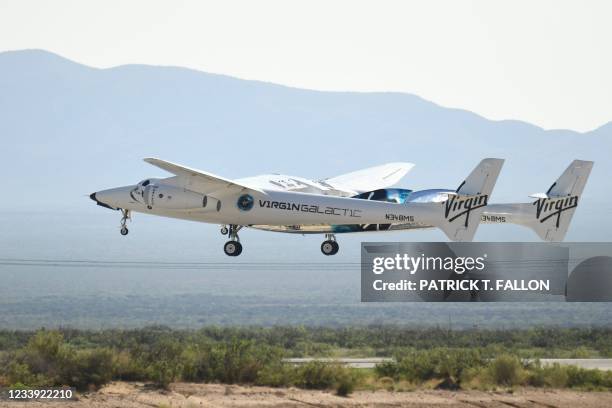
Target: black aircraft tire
x,y
327,247
232,248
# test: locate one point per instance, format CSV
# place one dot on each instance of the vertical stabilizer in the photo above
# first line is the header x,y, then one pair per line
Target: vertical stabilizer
x,y
463,209
550,215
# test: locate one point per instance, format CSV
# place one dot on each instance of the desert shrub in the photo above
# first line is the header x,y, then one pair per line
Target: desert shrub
x,y
387,369
45,356
20,373
127,368
345,383
554,376
505,370
194,358
85,369
440,363
165,365
451,363
588,379
277,375
240,361
387,383
48,361
319,375
581,352
316,375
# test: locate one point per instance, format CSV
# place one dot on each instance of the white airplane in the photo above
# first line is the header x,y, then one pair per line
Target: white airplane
x,y
361,201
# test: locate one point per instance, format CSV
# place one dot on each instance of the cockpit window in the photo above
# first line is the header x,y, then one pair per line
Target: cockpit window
x,y
146,183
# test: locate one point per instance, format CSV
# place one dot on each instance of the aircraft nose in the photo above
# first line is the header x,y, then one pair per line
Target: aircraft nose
x,y
94,197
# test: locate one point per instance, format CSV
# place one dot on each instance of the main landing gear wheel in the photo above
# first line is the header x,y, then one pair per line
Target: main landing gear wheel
x,y
124,231
330,246
224,230
232,248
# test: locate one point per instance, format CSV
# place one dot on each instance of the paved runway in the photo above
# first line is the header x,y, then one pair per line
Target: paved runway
x,y
599,363
350,362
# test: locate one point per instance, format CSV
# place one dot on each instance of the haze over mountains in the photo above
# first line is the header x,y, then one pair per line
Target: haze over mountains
x,y
69,129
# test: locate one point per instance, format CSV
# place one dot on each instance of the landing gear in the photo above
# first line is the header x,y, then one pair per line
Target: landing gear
x,y
330,246
224,230
125,216
233,247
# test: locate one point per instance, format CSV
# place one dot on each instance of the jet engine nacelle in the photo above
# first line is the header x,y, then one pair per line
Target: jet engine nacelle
x,y
166,197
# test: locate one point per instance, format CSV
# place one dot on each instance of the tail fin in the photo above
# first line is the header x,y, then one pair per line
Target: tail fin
x,y
463,209
555,208
550,215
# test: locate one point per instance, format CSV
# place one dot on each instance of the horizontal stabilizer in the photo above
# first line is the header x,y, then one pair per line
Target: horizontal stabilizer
x,y
539,195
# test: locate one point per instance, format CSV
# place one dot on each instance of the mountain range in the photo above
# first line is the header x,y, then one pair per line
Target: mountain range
x,y
68,130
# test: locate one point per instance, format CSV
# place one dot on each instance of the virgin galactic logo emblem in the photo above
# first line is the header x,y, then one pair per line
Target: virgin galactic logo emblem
x,y
245,202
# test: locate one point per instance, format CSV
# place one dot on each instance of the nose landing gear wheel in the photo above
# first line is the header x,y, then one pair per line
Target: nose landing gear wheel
x,y
125,216
224,230
330,247
232,248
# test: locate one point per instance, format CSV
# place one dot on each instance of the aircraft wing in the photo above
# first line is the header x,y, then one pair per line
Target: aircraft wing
x,y
371,178
198,180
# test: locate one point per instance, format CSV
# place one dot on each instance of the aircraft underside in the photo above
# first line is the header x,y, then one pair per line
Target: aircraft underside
x,y
338,229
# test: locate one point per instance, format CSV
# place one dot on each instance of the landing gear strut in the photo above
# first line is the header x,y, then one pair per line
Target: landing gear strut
x,y
124,218
330,246
233,247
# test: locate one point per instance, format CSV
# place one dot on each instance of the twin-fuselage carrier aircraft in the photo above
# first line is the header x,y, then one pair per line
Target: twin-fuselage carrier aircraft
x,y
362,201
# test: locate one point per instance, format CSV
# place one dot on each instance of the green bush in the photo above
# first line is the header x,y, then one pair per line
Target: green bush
x,y
387,369
505,370
345,384
127,368
439,363
317,375
85,369
240,361
20,373
165,364
277,375
588,379
48,361
554,376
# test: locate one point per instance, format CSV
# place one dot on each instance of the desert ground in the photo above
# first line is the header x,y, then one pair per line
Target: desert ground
x,y
134,395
